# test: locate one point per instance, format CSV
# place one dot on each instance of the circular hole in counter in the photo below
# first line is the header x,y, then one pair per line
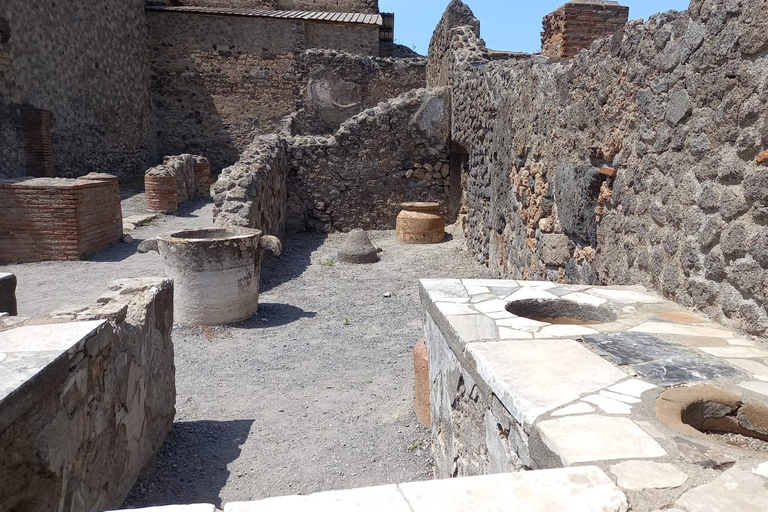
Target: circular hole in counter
x,y
561,311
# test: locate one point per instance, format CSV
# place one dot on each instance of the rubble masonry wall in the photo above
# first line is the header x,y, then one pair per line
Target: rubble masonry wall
x,y
638,161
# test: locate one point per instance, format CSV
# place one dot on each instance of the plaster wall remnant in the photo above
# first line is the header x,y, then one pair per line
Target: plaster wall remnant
x,y
672,105
87,399
577,24
58,219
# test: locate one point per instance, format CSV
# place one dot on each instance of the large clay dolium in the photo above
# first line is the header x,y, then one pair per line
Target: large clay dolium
x,y
420,223
215,272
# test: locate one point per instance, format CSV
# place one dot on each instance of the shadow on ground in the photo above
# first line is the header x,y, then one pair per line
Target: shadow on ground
x,y
275,315
296,258
191,466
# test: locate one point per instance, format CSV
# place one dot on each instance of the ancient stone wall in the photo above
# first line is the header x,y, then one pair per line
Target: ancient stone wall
x,y
356,178
58,219
177,180
238,4
85,62
638,161
363,6
93,403
217,81
252,192
335,86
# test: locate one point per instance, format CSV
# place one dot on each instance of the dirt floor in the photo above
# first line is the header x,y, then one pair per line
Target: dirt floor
x,y
313,393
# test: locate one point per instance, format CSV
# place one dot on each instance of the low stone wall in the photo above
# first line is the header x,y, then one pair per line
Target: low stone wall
x,y
176,180
357,178
252,193
638,161
58,219
86,400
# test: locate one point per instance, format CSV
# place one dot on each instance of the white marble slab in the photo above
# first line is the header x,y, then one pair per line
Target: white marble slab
x,y
46,338
757,387
583,489
386,498
638,475
735,352
585,298
591,438
620,397
633,387
625,296
532,377
531,293
452,308
578,408
473,327
565,330
505,333
736,490
492,306
608,405
680,329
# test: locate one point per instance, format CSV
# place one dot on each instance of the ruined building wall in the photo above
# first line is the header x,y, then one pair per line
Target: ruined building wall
x,y
85,63
236,4
674,109
219,81
356,178
334,86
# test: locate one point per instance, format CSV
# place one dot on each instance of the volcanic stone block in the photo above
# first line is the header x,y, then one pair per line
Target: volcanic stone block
x,y
8,294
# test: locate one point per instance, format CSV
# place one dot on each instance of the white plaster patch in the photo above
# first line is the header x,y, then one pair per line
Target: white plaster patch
x,y
451,308
579,489
620,397
734,352
529,292
608,405
757,387
532,377
681,329
559,330
637,475
41,338
577,439
579,408
761,470
585,298
506,333
632,387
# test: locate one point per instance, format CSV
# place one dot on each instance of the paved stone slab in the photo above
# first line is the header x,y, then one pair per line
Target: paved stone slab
x,y
521,323
443,289
452,308
579,408
608,405
756,386
528,292
636,475
522,374
473,327
492,306
583,489
585,298
513,334
386,498
42,338
735,490
631,348
578,439
564,330
625,296
685,369
735,351
620,397
704,456
684,329
759,371
17,368
761,470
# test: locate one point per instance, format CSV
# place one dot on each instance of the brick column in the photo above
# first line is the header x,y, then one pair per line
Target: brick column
x,y
161,193
202,176
577,24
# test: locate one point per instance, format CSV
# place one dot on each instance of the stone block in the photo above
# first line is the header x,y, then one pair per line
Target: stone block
x,y
555,249
736,489
8,294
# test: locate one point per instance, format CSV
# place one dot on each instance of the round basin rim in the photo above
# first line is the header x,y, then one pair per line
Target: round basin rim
x,y
233,234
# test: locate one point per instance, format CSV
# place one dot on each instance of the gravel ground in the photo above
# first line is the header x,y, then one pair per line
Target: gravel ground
x,y
313,393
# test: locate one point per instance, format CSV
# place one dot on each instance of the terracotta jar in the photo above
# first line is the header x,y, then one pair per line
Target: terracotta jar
x,y
420,223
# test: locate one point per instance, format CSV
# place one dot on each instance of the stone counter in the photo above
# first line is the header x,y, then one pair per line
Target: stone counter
x,y
86,399
546,387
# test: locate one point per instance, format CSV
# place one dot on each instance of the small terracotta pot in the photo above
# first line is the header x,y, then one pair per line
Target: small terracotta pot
x,y
420,223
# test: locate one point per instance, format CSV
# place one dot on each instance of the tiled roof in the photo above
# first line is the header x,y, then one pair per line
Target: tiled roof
x,y
336,17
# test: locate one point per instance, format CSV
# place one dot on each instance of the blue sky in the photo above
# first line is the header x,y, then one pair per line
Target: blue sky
x,y
504,24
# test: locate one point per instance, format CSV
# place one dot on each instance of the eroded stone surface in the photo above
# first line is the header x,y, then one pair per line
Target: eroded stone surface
x,y
579,439
735,490
520,372
636,475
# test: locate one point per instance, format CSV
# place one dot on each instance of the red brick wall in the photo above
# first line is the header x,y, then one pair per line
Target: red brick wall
x,y
57,219
576,25
161,193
